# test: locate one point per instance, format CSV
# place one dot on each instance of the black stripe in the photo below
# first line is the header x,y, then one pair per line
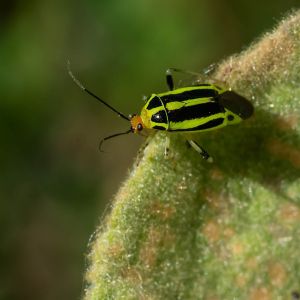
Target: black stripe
x,y
187,95
159,127
194,111
211,124
154,102
160,117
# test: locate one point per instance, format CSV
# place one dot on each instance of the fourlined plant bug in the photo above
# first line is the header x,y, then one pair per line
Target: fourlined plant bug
x,y
191,109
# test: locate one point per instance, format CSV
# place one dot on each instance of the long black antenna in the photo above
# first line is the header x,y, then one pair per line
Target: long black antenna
x,y
92,94
112,136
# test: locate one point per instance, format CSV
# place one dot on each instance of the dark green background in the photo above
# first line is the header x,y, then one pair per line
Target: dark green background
x,y
55,183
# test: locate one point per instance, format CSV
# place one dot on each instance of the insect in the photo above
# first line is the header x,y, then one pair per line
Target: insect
x,y
191,109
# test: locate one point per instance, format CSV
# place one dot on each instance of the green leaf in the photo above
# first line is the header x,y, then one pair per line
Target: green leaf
x,y
181,228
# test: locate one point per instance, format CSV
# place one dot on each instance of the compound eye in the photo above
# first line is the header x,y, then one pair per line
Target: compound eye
x,y
139,127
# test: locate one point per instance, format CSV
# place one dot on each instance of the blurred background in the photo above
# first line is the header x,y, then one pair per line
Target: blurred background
x,y
55,184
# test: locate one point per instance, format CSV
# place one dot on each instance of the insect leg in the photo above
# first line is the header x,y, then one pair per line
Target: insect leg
x,y
198,78
209,70
200,150
169,79
141,152
167,146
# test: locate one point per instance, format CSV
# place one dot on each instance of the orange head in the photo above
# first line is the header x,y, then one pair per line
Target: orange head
x,y
137,124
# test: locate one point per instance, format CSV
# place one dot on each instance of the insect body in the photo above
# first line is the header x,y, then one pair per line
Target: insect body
x,y
193,109
190,109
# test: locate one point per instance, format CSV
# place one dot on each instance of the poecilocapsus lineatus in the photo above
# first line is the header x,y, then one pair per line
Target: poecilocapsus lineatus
x,y
191,109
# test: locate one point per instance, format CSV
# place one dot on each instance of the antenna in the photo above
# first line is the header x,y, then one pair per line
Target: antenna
x,y
112,136
92,94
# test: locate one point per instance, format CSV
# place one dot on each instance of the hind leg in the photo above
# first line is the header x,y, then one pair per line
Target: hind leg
x,y
200,150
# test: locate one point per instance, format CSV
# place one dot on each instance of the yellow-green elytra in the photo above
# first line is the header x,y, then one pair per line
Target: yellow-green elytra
x,y
191,109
